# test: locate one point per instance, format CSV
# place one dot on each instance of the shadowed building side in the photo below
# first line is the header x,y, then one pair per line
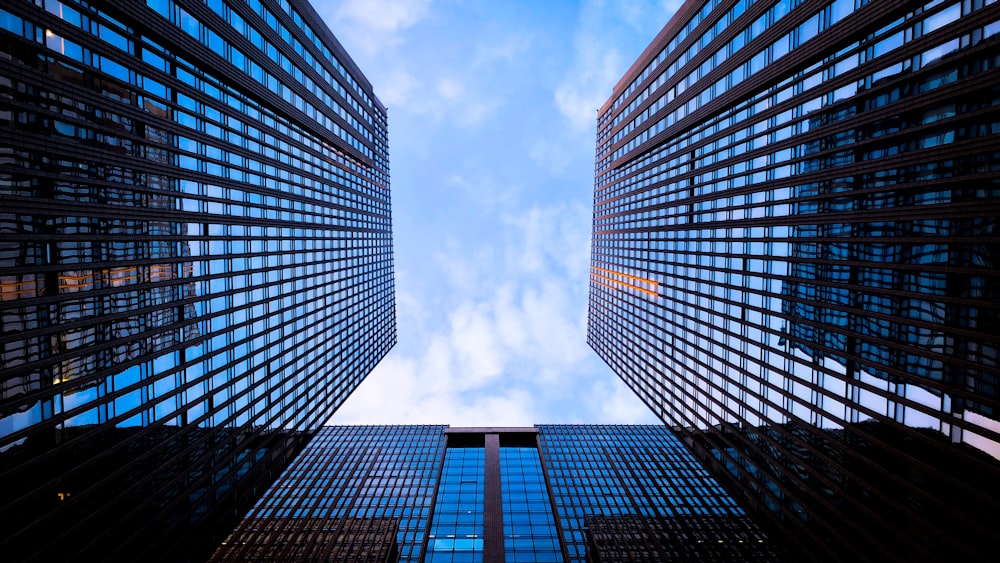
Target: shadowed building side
x,y
642,539
794,264
195,264
335,540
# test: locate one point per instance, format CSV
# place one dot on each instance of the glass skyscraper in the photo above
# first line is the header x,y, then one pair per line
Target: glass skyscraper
x,y
795,263
195,264
551,493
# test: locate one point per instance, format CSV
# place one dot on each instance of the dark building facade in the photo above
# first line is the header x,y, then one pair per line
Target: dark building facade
x,y
551,493
795,263
195,264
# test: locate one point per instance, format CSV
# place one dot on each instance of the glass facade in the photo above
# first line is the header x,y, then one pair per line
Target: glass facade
x,y
195,263
794,262
456,532
530,532
635,493
493,504
366,475
547,494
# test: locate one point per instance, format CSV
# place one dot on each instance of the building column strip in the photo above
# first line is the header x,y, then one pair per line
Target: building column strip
x,y
492,503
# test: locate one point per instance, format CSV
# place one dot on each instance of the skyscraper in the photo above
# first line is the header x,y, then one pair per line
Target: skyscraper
x,y
551,493
795,263
195,243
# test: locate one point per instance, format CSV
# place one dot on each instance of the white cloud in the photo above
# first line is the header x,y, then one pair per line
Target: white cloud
x,y
395,87
377,33
580,96
596,68
476,344
453,100
384,15
510,324
475,184
556,236
506,50
556,155
618,402
444,99
598,63
450,89
476,111
373,25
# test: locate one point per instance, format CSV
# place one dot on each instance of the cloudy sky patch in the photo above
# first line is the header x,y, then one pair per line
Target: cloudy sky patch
x,y
492,111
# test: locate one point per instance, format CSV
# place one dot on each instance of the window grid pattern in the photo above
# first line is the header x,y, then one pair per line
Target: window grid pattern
x,y
631,491
639,484
365,475
456,534
794,245
530,533
185,250
314,105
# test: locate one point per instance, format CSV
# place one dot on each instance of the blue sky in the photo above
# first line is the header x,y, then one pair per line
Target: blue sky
x,y
492,111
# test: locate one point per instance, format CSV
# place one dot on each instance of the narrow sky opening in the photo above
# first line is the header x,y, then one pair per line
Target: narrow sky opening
x,y
492,116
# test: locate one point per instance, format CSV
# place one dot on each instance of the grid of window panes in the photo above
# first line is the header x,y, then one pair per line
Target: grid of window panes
x,y
352,473
643,471
196,241
456,534
795,234
528,525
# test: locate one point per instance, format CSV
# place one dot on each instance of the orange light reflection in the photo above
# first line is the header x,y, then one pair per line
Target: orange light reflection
x,y
628,285
636,278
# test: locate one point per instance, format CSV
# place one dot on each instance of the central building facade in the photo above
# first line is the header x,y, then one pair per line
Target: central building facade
x,y
547,494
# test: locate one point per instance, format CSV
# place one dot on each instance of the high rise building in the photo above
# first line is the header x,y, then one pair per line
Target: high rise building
x,y
795,263
552,493
195,264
